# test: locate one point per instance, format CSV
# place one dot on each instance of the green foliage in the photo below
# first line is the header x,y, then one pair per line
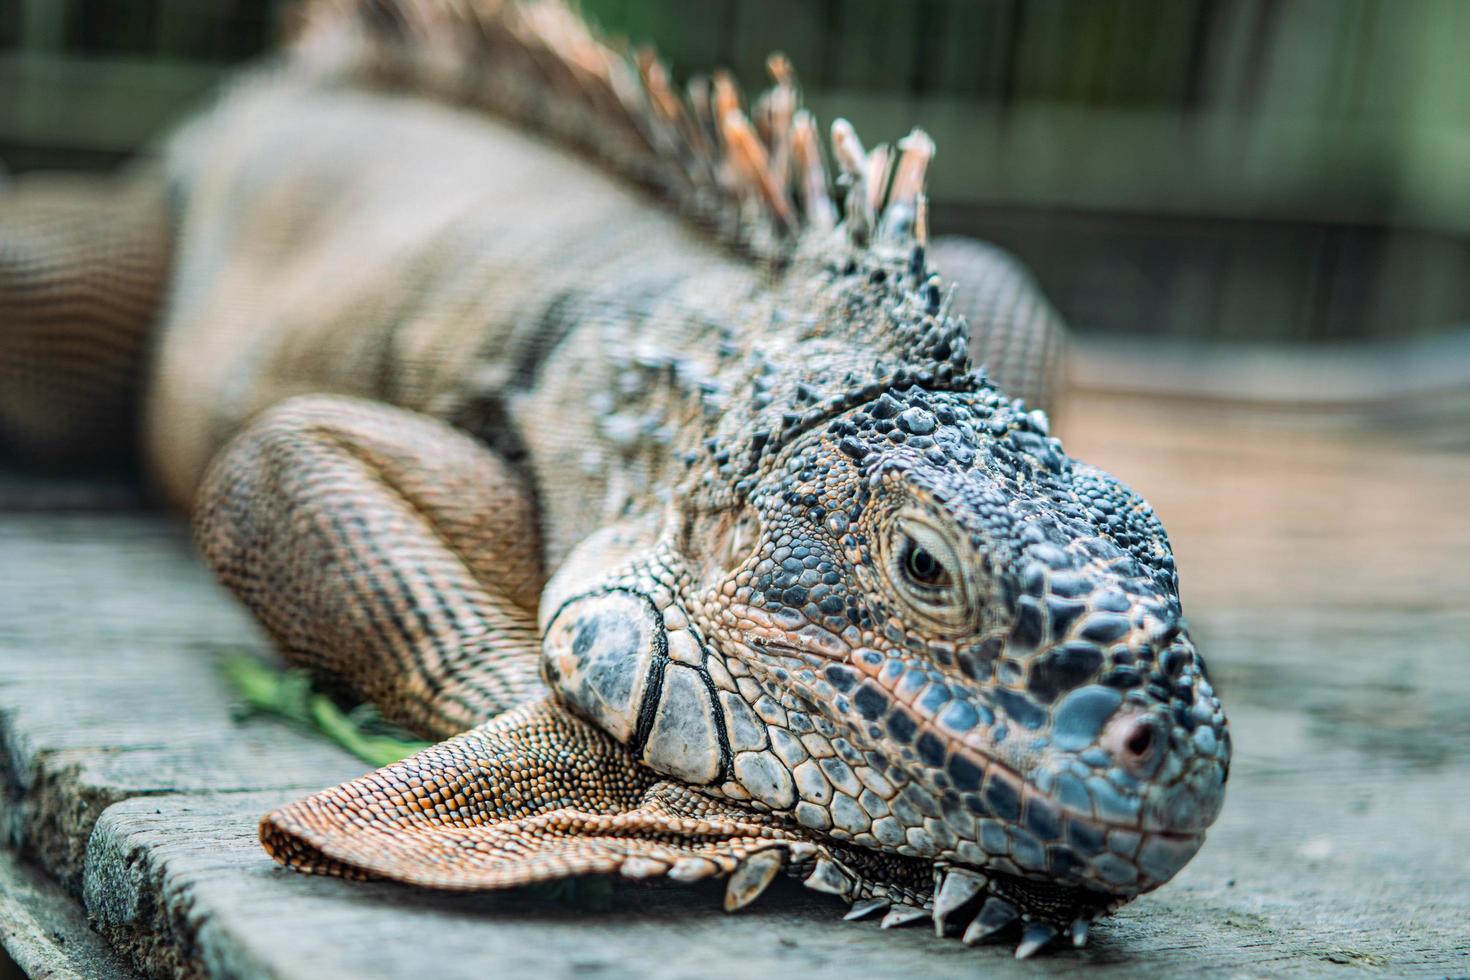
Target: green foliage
x,y
290,695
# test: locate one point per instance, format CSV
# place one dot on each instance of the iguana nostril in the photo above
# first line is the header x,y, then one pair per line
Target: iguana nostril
x,y
1135,740
1139,742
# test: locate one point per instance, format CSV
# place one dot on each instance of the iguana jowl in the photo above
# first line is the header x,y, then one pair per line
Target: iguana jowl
x,y
808,592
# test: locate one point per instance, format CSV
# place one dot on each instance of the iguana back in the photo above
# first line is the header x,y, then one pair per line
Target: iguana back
x,y
335,240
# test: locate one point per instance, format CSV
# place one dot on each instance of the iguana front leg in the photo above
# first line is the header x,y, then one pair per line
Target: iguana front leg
x,y
385,551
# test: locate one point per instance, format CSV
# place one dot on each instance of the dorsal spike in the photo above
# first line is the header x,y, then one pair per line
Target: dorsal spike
x,y
752,165
727,95
656,83
757,176
852,162
701,105
811,174
847,149
880,170
780,69
908,181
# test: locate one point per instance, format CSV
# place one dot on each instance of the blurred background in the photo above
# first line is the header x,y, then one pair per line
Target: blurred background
x,y
1255,215
1209,169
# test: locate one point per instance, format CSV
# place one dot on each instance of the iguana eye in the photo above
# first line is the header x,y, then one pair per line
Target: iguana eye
x,y
928,574
922,568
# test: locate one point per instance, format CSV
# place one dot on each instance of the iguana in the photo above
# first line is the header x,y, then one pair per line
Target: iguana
x,y
583,422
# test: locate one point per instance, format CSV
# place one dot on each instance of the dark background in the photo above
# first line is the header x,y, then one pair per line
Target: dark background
x,y
1205,169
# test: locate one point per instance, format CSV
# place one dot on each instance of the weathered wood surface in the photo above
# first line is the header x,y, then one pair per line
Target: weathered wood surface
x,y
1325,568
44,930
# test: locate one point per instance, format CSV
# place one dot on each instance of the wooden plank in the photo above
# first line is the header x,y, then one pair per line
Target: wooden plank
x,y
187,873
1346,382
1275,508
42,492
70,747
45,932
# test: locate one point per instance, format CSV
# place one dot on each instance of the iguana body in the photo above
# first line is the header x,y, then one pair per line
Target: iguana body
x,y
806,591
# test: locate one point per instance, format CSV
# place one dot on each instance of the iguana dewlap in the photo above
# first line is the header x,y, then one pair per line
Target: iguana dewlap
x,y
694,501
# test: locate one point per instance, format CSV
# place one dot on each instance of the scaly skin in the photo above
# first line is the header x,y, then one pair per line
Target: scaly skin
x,y
820,597
904,619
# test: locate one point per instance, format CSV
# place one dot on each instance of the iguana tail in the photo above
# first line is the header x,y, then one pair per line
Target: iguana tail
x,y
83,264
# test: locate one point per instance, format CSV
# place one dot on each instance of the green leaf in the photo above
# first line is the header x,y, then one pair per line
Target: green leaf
x,y
290,695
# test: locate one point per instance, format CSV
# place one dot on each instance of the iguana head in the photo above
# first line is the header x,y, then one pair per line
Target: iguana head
x,y
961,644
895,611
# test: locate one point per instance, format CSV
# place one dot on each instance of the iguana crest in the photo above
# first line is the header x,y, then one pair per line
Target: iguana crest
x,y
756,176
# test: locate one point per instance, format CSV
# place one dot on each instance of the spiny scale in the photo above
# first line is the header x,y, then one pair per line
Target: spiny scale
x,y
959,887
827,877
863,909
1034,937
994,916
692,869
902,915
640,868
752,878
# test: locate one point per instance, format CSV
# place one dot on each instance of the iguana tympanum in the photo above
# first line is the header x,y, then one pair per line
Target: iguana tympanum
x,y
530,399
